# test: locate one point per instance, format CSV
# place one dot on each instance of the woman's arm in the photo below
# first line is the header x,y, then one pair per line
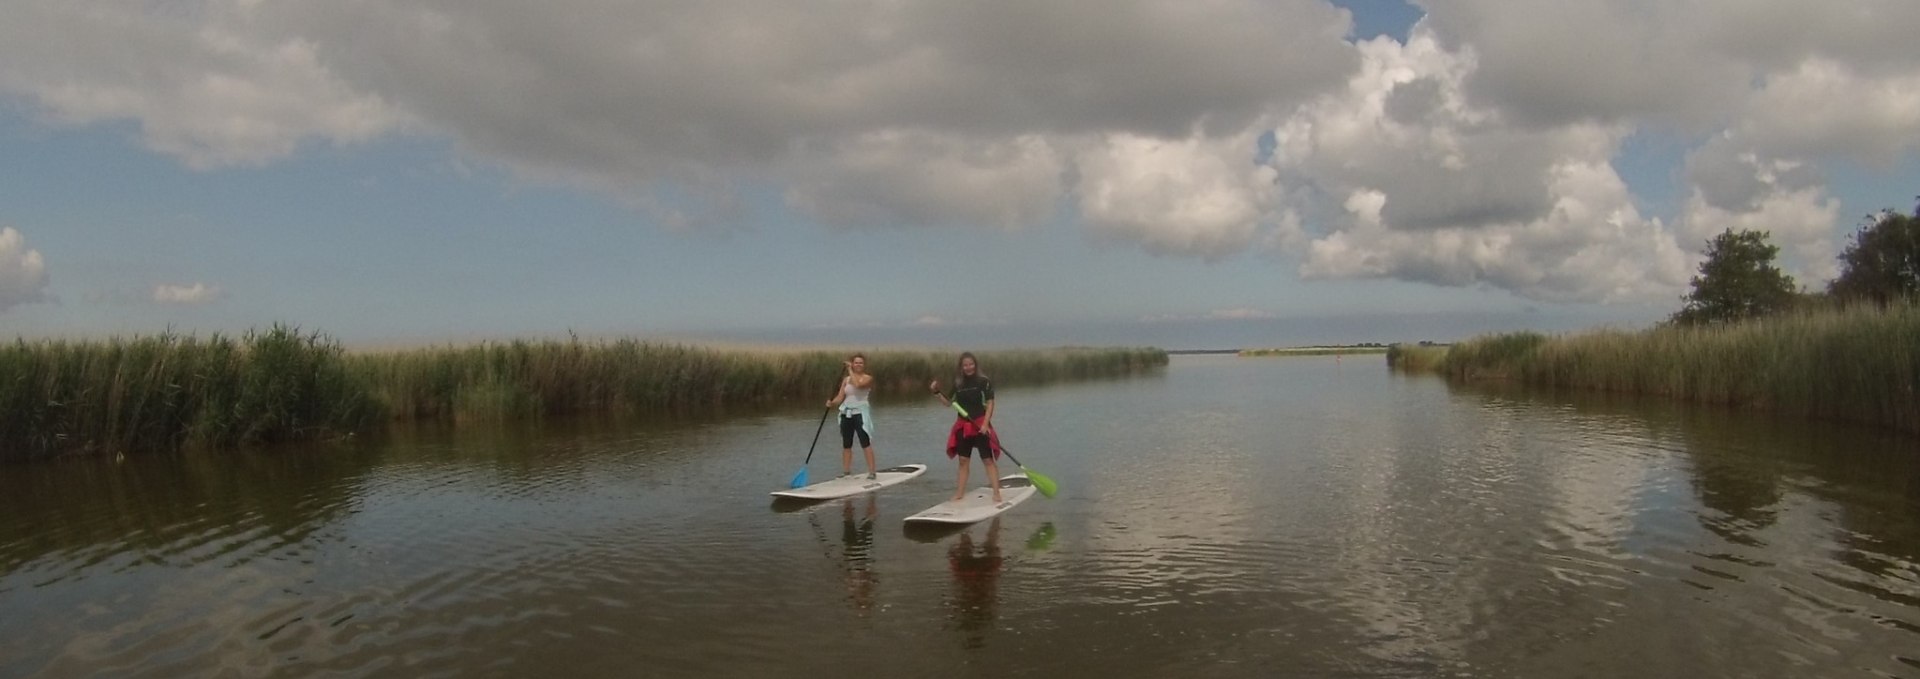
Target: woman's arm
x,y
839,394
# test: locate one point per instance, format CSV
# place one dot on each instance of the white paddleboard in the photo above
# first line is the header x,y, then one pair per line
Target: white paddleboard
x,y
978,505
854,484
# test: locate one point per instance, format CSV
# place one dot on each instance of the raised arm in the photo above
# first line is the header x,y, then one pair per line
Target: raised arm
x,y
839,393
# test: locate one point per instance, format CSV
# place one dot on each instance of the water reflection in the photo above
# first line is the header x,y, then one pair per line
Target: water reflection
x,y
1803,534
856,551
975,591
1315,521
1042,538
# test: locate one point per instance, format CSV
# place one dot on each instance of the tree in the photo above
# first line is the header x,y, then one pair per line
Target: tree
x,y
1738,281
1883,262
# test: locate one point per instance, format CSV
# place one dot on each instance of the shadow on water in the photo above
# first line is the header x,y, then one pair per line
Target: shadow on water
x,y
789,505
930,533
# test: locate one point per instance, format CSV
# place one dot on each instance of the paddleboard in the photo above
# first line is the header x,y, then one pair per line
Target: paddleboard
x,y
854,484
978,505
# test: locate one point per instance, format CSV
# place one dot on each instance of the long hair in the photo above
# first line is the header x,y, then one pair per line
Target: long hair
x,y
959,367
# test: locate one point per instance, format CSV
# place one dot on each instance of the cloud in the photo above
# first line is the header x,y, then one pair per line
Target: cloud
x,y
1197,196
214,83
1240,314
1235,314
893,178
198,293
23,273
1823,106
1478,153
1409,179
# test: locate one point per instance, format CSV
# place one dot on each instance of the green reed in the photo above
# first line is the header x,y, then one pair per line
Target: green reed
x,y
169,392
1858,363
520,379
1416,357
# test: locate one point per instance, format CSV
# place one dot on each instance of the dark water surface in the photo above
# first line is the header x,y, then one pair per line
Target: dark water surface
x,y
1228,517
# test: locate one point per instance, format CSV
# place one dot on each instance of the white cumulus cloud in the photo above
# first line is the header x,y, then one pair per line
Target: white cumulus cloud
x,y
1479,153
197,293
1409,179
23,273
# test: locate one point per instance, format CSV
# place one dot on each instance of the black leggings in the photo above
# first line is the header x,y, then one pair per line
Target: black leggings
x,y
850,425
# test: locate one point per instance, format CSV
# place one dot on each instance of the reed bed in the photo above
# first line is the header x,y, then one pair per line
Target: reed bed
x,y
1416,357
523,379
1859,363
168,392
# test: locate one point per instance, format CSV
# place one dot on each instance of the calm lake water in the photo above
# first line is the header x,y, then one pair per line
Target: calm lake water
x,y
1227,517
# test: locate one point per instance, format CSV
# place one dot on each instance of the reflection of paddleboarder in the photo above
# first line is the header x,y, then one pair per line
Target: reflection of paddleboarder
x,y
976,584
857,550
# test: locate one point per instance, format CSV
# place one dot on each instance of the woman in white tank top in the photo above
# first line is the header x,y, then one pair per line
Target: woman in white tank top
x,y
856,413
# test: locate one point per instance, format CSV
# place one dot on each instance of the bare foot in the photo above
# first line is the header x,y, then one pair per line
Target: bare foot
x,y
996,497
958,497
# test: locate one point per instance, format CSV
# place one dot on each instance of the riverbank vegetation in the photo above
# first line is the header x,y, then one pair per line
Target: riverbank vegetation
x,y
1745,338
1317,351
169,391
1856,363
1422,357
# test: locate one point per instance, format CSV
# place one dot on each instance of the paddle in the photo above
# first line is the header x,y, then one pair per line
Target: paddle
x,y
800,479
1041,482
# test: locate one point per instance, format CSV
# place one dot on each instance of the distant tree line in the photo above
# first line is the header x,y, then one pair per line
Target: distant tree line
x,y
1739,280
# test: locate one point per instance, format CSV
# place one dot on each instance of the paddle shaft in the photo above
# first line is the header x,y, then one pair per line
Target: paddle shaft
x,y
816,436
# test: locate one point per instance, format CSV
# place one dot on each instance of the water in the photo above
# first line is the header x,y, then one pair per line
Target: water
x,y
1228,517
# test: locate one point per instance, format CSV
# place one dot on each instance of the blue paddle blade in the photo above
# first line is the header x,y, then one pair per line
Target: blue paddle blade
x,y
799,479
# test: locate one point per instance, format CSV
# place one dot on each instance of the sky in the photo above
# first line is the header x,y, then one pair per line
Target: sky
x,y
1181,173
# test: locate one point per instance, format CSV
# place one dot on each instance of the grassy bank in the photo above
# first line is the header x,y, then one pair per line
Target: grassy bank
x,y
1858,364
168,392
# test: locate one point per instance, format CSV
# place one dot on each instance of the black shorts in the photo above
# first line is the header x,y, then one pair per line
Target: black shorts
x,y
850,425
979,442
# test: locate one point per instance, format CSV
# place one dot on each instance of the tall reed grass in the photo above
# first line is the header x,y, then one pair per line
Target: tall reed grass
x,y
1859,364
1416,357
168,391
522,379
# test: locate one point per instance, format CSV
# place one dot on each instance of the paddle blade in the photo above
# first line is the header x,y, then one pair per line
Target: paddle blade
x,y
1045,485
799,479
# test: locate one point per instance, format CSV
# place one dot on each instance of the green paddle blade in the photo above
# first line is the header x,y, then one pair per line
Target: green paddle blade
x,y
1045,485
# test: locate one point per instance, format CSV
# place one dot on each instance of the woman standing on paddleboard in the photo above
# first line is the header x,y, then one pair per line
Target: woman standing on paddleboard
x,y
856,414
973,429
